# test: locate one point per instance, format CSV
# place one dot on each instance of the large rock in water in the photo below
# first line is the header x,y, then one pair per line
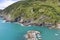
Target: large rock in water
x,y
33,35
58,26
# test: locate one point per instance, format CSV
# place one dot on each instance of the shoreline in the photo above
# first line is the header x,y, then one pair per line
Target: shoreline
x,y
50,26
23,24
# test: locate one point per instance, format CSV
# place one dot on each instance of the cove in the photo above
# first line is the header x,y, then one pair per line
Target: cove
x,y
14,31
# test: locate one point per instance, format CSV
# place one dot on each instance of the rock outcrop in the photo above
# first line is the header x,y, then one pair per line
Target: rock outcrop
x,y
33,35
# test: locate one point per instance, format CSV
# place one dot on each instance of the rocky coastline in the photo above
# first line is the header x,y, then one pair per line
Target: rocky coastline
x,y
29,22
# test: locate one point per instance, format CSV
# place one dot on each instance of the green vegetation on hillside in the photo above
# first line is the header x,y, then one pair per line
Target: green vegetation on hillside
x,y
37,10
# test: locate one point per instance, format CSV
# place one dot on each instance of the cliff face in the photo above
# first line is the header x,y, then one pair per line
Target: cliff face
x,y
0,10
38,11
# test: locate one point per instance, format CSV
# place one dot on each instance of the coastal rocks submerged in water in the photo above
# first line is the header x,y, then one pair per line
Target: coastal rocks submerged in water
x,y
33,35
58,26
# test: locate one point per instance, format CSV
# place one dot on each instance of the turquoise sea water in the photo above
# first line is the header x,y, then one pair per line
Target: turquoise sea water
x,y
13,31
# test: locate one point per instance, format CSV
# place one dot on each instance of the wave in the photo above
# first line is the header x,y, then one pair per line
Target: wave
x,y
21,24
2,21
